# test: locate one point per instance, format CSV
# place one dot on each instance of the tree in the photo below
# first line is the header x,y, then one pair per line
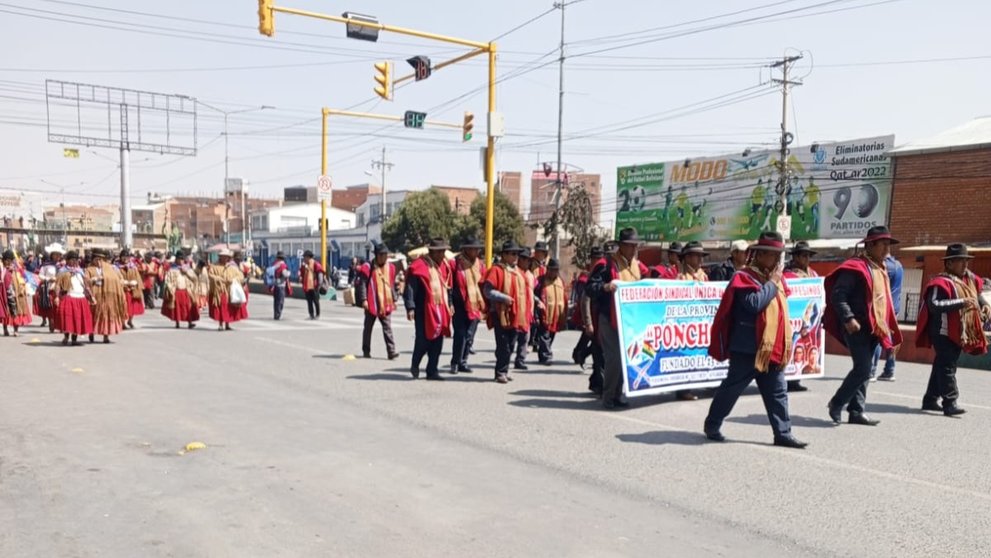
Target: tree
x,y
422,216
575,219
508,224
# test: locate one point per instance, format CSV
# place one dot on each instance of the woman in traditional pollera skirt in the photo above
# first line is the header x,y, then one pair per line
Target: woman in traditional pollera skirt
x,y
75,317
179,302
18,311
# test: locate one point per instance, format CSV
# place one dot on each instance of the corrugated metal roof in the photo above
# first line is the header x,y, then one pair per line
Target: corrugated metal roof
x,y
975,134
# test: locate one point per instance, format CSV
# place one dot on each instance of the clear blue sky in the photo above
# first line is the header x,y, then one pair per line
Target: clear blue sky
x,y
608,94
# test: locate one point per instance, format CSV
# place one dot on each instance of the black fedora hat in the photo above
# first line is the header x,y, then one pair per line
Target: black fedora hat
x,y
381,249
802,247
540,246
694,247
553,264
99,253
280,255
595,252
306,254
880,232
510,247
437,244
675,247
769,241
525,252
472,242
957,251
629,236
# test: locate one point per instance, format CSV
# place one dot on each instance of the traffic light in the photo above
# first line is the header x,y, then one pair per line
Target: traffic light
x,y
383,77
467,126
266,19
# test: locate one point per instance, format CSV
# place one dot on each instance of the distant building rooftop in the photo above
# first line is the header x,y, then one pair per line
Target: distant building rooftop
x,y
975,134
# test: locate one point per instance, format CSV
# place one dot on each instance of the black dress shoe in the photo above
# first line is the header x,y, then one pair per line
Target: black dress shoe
x,y
454,369
835,413
465,369
953,411
790,442
435,378
415,373
715,436
615,404
393,356
520,367
862,419
931,406
797,386
366,355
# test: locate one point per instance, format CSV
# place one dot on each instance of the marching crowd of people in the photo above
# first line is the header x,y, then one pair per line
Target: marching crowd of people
x,y
523,300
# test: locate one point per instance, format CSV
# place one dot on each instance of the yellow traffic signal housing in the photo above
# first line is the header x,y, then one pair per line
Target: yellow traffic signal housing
x,y
383,76
266,19
466,128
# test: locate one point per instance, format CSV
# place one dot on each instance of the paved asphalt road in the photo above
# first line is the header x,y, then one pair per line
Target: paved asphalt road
x,y
309,454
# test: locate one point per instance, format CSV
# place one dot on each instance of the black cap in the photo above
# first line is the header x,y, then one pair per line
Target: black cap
x,y
694,247
629,236
510,246
802,247
957,251
471,242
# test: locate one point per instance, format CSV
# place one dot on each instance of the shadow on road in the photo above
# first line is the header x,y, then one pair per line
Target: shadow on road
x,y
551,393
568,404
383,376
663,437
894,409
801,422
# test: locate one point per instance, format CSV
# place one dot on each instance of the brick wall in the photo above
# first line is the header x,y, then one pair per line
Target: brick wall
x,y
942,197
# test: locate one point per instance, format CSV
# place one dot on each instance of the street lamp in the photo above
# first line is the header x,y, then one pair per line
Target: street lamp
x,y
227,114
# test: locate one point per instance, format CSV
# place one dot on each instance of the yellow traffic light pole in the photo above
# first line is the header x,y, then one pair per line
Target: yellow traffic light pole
x,y
266,26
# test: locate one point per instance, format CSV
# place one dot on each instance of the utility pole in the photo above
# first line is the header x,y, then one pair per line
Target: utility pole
x,y
383,165
786,137
559,183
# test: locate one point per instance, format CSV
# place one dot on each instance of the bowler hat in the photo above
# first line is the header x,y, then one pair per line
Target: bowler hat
x,y
72,255
438,243
553,264
957,251
540,246
471,242
675,247
879,232
629,236
694,247
98,253
770,241
510,246
802,247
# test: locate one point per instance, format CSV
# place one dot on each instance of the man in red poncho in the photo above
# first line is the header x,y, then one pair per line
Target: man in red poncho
x,y
951,321
375,292
752,330
467,273
551,305
428,305
860,314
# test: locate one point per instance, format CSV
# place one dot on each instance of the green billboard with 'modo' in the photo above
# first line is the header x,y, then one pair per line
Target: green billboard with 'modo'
x,y
634,186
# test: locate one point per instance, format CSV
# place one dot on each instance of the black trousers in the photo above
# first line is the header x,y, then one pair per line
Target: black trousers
x,y
464,334
506,340
425,347
366,333
773,390
313,303
545,339
852,393
278,301
522,346
583,348
943,377
595,381
149,298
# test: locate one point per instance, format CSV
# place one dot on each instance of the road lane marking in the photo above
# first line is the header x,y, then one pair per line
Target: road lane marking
x,y
823,461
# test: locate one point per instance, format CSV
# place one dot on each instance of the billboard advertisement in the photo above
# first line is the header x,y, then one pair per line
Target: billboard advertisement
x,y
834,190
664,333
